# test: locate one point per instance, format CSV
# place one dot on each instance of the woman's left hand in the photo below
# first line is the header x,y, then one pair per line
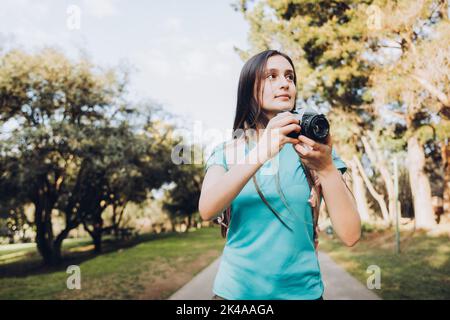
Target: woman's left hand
x,y
341,205
316,156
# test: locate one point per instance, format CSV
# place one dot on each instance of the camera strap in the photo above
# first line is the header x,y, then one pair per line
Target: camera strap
x,y
267,203
225,217
316,208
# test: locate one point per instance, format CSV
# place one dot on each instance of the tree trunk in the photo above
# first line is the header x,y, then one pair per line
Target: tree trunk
x,y
378,197
97,238
57,246
420,186
189,223
43,245
359,192
49,250
43,234
377,160
446,162
118,210
115,226
57,257
116,232
96,234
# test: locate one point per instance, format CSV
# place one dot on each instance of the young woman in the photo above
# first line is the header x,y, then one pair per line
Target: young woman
x,y
270,251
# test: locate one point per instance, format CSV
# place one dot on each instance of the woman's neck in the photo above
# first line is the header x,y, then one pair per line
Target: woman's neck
x,y
270,114
254,135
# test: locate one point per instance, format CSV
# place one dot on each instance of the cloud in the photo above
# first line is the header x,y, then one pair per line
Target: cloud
x,y
153,62
25,7
221,70
195,63
226,47
190,69
100,8
22,12
172,24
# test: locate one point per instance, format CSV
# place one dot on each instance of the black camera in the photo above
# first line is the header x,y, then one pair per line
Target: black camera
x,y
313,125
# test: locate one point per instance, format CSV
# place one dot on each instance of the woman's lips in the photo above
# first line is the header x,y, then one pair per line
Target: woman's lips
x,y
283,97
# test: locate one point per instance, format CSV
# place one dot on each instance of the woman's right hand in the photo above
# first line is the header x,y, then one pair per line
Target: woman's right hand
x,y
274,137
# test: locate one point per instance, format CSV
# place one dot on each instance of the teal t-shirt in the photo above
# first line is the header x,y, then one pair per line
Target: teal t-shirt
x,y
262,258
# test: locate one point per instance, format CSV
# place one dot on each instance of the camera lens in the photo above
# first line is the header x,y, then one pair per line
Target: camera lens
x,y
319,127
314,126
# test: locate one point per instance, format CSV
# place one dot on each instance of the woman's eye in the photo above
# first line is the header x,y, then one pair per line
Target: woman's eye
x,y
290,77
271,76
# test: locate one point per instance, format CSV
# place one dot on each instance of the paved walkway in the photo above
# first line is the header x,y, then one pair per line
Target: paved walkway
x,y
339,284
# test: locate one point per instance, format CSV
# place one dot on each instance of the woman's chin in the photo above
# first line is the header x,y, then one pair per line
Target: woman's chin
x,y
285,108
278,109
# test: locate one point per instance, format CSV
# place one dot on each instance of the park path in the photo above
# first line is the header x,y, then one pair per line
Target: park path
x,y
339,284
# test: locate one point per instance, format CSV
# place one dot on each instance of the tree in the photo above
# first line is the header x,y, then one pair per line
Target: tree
x,y
51,100
326,41
181,200
412,78
70,150
365,60
128,167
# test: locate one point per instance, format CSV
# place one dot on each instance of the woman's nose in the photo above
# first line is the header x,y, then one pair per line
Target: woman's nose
x,y
284,83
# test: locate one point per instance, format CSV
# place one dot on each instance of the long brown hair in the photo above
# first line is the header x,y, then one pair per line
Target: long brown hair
x,y
250,115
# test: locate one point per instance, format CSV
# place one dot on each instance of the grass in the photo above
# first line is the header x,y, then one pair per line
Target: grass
x,y
16,252
420,271
155,266
150,267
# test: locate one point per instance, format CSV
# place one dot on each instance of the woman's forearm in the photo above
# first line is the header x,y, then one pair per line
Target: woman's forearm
x,y
218,196
340,205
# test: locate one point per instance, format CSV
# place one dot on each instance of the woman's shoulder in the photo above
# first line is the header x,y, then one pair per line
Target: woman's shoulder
x,y
234,143
234,150
230,144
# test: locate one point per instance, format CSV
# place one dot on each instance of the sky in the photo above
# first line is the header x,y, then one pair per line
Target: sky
x,y
180,53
